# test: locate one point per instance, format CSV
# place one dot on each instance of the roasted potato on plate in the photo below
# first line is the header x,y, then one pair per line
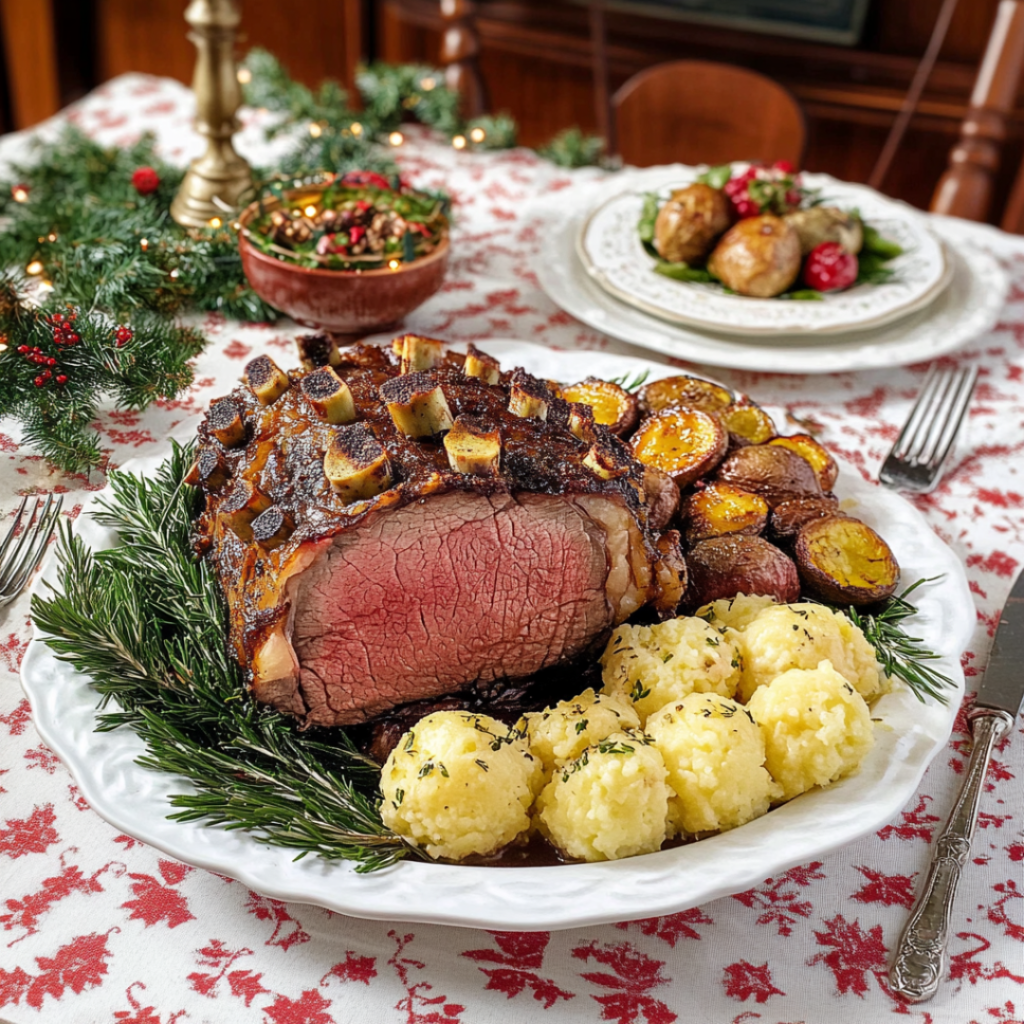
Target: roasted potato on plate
x,y
681,390
821,461
790,517
720,509
844,561
777,474
685,443
723,567
614,407
826,224
688,224
747,423
759,256
662,498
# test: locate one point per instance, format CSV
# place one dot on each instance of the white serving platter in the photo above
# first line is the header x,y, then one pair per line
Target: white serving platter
x,y
135,800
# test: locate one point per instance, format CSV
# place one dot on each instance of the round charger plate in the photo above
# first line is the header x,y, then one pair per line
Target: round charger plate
x,y
135,800
969,307
613,255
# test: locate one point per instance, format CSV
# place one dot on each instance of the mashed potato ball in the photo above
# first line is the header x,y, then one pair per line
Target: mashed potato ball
x,y
457,784
611,802
787,636
816,726
561,733
715,755
735,612
657,665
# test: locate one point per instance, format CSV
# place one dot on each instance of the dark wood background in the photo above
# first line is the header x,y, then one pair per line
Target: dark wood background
x,y
536,63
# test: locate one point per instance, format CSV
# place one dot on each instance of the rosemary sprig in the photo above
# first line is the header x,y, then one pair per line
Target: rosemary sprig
x,y
146,621
633,384
902,656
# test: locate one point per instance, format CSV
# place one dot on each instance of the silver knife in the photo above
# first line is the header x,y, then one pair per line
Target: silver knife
x,y
920,959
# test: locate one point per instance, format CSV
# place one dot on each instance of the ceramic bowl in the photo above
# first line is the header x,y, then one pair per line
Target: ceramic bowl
x,y
340,301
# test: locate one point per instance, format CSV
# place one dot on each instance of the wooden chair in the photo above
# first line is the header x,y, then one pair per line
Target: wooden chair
x,y
694,111
965,189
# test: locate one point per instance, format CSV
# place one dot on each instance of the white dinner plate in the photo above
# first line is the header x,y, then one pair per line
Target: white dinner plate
x,y
966,309
612,253
135,800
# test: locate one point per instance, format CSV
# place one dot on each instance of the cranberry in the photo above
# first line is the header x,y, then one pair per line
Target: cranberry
x,y
830,267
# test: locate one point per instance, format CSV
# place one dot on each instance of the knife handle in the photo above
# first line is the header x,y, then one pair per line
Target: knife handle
x,y
919,962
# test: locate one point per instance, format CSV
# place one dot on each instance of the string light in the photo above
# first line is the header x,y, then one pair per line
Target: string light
x,y
396,138
46,285
3,343
215,222
310,211
174,274
394,264
35,267
459,141
315,130
51,237
426,84
143,244
355,128
244,76
19,194
478,135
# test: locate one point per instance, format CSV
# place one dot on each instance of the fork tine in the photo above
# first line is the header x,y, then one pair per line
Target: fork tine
x,y
918,416
937,402
8,568
25,563
47,524
949,428
13,530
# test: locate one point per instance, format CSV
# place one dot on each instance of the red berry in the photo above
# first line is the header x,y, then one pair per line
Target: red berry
x,y
145,180
38,382
61,378
354,179
732,186
355,233
51,361
785,166
747,208
23,349
830,267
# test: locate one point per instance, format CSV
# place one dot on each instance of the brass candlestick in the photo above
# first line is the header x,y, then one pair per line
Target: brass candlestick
x,y
220,173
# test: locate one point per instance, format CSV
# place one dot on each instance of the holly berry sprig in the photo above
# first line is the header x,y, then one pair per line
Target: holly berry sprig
x,y
60,367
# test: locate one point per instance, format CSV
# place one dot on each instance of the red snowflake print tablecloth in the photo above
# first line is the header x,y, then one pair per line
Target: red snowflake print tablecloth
x,y
96,928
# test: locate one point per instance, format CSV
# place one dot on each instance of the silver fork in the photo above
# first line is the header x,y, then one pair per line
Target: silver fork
x,y
20,554
915,462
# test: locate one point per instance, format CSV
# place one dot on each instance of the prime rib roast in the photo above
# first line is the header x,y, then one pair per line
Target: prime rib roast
x,y
396,524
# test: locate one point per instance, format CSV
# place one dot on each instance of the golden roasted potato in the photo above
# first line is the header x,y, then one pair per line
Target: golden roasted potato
x,y
688,224
662,498
614,407
680,390
759,256
826,224
747,423
685,443
670,574
844,561
790,517
720,509
723,567
821,461
777,474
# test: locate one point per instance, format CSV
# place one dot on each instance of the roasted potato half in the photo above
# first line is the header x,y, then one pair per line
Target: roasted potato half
x,y
821,461
662,498
747,423
759,256
790,517
672,391
670,574
689,223
685,443
720,509
844,561
614,407
777,474
723,567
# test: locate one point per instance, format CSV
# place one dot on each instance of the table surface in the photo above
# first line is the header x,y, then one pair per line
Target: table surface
x,y
96,927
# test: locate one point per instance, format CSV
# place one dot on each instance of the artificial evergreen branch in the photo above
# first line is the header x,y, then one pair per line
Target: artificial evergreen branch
x,y
147,623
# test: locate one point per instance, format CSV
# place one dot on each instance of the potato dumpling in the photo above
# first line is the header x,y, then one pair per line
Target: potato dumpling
x,y
826,224
457,784
816,727
688,224
611,802
783,637
735,612
714,753
561,733
655,665
759,256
